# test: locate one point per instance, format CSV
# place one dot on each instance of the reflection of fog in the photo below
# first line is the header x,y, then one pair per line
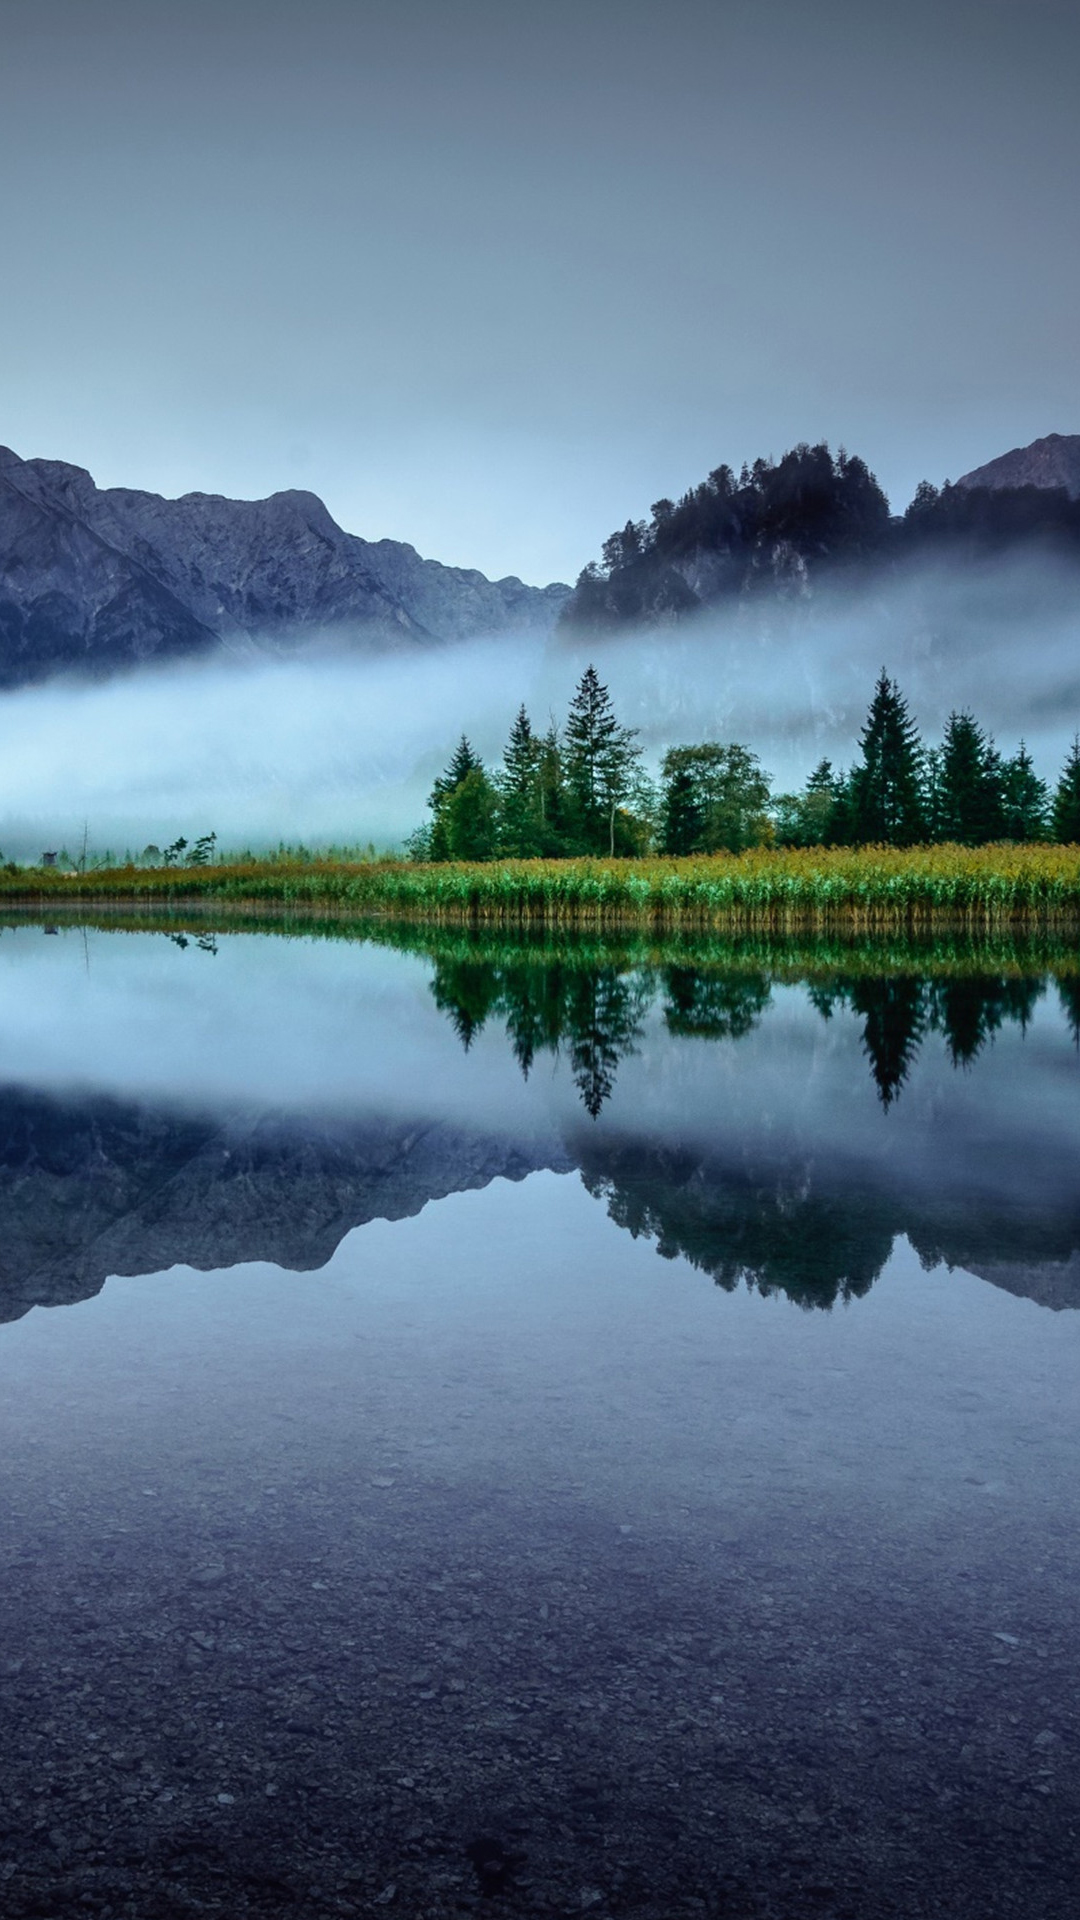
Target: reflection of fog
x,y
261,1099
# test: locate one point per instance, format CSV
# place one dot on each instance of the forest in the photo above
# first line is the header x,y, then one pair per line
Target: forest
x,y
782,524
583,790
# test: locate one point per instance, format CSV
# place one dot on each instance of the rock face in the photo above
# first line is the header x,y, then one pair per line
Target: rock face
x,y
95,580
1053,461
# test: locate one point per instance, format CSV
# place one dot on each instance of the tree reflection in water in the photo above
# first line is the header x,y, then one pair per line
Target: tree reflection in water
x,y
594,1011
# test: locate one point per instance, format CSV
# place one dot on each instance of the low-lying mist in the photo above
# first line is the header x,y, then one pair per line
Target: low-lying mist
x,y
326,748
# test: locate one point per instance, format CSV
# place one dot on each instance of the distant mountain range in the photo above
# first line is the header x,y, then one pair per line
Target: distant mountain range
x,y
93,580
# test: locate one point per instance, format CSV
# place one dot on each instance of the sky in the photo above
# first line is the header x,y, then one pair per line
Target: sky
x,y
492,278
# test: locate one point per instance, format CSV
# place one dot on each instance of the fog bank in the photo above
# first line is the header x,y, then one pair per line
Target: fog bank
x,y
326,748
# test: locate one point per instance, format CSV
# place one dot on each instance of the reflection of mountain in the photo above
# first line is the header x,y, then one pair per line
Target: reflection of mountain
x,y
806,1230
92,1187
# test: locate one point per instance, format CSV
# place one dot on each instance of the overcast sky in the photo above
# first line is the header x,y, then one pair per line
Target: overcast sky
x,y
493,277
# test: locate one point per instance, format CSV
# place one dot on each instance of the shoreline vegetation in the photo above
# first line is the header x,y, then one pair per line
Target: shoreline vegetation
x,y
571,834
931,890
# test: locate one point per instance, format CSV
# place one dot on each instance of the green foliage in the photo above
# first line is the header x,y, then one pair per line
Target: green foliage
x,y
714,797
1025,799
600,763
203,851
438,843
469,816
885,792
521,792
682,815
967,797
814,817
1067,799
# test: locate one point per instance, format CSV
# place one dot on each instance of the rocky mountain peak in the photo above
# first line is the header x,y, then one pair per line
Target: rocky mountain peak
x,y
1053,461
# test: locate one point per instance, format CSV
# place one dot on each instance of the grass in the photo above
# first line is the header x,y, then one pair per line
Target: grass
x,y
872,890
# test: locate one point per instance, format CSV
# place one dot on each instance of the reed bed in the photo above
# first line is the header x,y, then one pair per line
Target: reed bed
x,y
1014,950
819,890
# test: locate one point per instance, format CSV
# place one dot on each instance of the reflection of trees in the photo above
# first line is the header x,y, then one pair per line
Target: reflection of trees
x,y
713,1006
595,1012
466,990
969,1011
769,1230
899,1011
803,1230
594,1009
1068,986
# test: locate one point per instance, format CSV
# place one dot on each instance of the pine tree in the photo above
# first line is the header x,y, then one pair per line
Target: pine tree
x,y
1026,799
808,819
600,760
551,794
969,798
463,763
886,790
682,816
471,818
1066,817
519,787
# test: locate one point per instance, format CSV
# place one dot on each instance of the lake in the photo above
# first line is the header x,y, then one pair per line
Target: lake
x,y
537,1430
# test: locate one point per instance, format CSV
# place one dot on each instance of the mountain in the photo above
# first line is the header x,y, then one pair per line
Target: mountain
x,y
1052,462
783,529
95,580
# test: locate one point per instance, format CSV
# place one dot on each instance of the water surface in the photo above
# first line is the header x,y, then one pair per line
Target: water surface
x,y
388,1528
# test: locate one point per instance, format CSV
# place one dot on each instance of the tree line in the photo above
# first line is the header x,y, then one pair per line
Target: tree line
x,y
583,789
779,523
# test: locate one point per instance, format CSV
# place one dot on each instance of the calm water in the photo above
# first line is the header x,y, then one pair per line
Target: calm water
x,y
387,1528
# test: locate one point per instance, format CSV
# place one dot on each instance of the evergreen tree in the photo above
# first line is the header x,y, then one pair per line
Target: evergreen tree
x,y
808,819
886,790
464,762
471,818
519,790
600,761
551,795
1025,798
1066,817
682,817
968,798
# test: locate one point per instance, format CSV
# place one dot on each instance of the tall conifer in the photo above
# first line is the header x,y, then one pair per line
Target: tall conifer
x,y
886,790
1067,798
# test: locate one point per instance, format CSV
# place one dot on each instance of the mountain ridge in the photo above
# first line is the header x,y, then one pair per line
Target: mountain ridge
x,y
97,579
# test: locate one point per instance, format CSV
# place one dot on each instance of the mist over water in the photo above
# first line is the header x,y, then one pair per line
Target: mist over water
x,y
323,747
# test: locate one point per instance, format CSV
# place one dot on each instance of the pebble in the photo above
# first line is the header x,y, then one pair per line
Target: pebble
x,y
208,1576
